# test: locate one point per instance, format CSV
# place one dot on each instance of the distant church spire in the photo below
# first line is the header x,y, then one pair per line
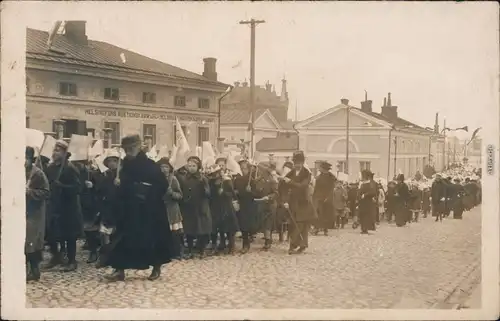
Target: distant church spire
x,y
436,124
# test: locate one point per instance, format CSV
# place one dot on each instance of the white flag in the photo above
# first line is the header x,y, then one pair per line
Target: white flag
x,y
48,147
34,138
97,149
152,154
182,146
163,152
79,147
232,165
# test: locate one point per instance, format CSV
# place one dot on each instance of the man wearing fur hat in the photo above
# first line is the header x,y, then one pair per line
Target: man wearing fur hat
x,y
299,204
65,222
37,193
323,199
143,237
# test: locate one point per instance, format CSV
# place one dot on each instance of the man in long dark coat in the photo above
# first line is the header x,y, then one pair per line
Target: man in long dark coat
x,y
143,237
299,204
323,199
37,192
457,195
401,198
65,223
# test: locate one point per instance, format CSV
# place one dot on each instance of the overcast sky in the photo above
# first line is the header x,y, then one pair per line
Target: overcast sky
x,y
432,57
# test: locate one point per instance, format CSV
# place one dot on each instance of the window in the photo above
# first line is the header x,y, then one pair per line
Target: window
x,y
67,89
203,103
71,126
115,134
341,167
149,129
111,93
203,135
175,132
27,122
180,101
364,166
149,98
91,132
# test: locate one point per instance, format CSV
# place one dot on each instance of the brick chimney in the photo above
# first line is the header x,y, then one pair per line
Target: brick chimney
x,y
366,105
209,70
388,110
344,101
75,31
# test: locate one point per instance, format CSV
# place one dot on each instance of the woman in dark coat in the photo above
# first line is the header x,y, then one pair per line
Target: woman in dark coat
x,y
323,199
266,192
457,199
107,195
224,220
367,196
65,222
415,202
88,201
143,237
401,197
280,223
171,199
37,193
195,206
244,186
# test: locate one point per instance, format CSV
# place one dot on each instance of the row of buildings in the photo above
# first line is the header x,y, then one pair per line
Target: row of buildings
x,y
93,85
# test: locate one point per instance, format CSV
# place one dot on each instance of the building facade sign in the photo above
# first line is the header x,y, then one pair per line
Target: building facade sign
x,y
143,115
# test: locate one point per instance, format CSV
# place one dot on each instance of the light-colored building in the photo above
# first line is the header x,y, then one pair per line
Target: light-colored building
x,y
382,142
93,85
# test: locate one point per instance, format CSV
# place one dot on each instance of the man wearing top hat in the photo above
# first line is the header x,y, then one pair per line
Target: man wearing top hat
x,y
323,198
143,237
299,204
64,216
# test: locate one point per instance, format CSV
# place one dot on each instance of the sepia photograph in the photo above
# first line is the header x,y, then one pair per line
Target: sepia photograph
x,y
239,160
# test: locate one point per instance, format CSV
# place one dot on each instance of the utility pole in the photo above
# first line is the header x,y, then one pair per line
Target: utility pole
x,y
253,23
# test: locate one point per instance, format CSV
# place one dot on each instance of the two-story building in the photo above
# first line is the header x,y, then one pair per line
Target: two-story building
x,y
93,85
381,142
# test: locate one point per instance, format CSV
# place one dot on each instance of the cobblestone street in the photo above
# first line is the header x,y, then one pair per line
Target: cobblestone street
x,y
411,267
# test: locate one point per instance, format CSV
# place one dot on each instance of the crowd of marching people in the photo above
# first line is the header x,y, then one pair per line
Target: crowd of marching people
x,y
140,213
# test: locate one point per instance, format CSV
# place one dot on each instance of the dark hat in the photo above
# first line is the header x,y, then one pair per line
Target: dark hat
x,y
298,157
457,180
62,144
165,161
366,173
243,161
288,165
401,177
131,140
29,152
324,165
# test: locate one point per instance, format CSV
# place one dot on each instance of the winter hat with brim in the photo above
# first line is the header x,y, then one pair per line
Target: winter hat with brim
x,y
62,144
324,165
111,154
196,160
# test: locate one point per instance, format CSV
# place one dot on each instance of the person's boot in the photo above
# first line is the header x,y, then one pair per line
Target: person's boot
x,y
34,274
55,260
267,245
70,267
93,257
117,275
246,245
155,274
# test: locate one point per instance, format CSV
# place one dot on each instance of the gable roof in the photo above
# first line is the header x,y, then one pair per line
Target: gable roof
x,y
398,122
242,116
280,143
237,116
101,54
263,97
